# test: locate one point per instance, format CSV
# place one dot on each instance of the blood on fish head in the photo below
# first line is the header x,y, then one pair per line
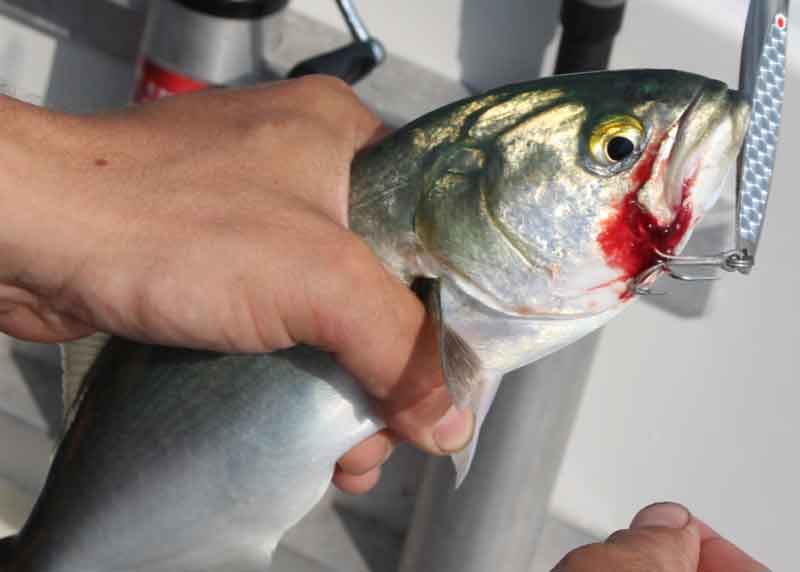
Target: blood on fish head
x,y
677,180
557,198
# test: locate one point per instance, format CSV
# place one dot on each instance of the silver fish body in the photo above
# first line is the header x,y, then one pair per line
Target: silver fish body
x,y
532,208
207,476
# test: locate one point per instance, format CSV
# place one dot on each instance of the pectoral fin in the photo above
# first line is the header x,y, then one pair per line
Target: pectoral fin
x,y
77,358
468,381
462,368
480,403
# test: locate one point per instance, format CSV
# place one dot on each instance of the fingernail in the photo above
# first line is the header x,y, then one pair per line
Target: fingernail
x,y
453,432
664,514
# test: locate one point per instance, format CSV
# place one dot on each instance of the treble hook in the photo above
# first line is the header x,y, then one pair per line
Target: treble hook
x,y
639,285
669,264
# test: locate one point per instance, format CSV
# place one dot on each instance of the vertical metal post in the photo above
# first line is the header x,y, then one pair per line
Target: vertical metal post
x,y
493,522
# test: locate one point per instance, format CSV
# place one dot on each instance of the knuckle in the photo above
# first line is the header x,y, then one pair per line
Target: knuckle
x,y
651,549
330,98
589,558
618,536
342,273
329,84
662,549
354,260
365,456
317,114
322,93
288,130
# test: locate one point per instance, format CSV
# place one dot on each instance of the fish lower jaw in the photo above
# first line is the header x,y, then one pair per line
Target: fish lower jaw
x,y
566,306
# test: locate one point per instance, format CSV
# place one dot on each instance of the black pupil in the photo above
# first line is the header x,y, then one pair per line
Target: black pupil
x,y
620,148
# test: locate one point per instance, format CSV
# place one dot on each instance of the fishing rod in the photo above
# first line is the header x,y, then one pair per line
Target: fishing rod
x,y
761,81
192,45
351,62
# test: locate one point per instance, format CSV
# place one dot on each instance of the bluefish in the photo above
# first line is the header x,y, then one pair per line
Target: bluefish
x,y
528,214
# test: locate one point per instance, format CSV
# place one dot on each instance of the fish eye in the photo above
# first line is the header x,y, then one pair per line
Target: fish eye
x,y
619,148
615,140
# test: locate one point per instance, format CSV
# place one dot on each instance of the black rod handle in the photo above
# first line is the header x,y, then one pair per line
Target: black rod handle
x,y
590,27
349,63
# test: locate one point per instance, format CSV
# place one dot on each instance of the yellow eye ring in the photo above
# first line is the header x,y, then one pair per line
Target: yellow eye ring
x,y
616,139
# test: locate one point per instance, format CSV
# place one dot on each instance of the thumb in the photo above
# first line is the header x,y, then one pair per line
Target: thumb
x,y
662,538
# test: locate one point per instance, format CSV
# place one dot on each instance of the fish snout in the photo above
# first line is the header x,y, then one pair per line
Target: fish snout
x,y
709,139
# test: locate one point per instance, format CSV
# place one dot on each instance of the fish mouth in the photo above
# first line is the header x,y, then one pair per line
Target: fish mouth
x,y
675,183
693,163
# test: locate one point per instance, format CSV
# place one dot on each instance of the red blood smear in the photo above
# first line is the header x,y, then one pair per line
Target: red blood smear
x,y
631,236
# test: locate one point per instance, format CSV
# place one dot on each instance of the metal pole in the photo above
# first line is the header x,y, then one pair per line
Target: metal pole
x,y
493,522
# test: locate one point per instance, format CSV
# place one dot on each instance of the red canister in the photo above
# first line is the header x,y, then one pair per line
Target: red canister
x,y
195,44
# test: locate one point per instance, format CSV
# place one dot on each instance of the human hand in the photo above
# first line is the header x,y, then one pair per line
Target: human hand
x,y
662,538
218,221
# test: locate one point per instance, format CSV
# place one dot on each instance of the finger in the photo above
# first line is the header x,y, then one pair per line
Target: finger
x,y
432,422
356,484
661,515
37,322
663,533
368,454
379,135
377,330
720,555
419,408
661,538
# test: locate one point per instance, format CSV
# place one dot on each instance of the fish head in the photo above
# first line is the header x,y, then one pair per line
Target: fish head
x,y
558,195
